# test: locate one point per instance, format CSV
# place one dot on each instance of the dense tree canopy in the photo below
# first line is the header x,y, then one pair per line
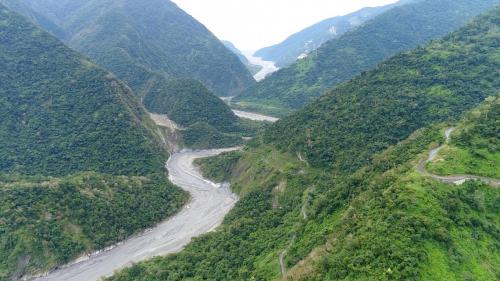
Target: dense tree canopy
x,y
143,41
82,164
383,221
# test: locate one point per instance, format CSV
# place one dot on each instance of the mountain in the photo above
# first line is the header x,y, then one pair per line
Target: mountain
x,y
114,32
339,60
188,102
254,69
82,164
205,120
38,19
143,42
379,108
382,219
300,44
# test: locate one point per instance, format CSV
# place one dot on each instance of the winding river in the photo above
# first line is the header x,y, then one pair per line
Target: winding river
x,y
268,67
209,203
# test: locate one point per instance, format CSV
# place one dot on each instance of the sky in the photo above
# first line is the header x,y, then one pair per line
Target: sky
x,y
254,24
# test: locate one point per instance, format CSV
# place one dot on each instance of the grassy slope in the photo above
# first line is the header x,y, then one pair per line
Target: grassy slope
x,y
400,29
77,151
475,148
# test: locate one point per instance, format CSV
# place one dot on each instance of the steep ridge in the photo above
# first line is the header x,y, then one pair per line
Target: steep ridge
x,y
82,165
187,101
144,41
343,128
149,44
399,29
311,38
383,221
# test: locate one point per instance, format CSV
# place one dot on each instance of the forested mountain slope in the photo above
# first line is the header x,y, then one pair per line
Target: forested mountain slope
x,y
187,101
343,128
37,18
307,40
78,151
148,44
400,29
205,120
383,221
145,41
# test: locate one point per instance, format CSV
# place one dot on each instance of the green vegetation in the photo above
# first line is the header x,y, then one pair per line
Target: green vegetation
x,y
203,136
383,222
311,38
187,101
160,52
475,147
144,42
78,152
435,83
218,168
208,122
339,60
45,222
377,218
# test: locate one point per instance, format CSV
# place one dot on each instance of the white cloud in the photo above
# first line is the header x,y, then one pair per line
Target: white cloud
x,y
253,24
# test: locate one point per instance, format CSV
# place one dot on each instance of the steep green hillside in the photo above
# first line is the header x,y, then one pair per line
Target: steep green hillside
x,y
383,222
475,148
37,18
205,120
187,101
345,127
312,37
77,152
402,28
138,40
406,226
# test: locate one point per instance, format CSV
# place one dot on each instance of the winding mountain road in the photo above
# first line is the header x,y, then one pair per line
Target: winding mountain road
x,y
209,203
453,179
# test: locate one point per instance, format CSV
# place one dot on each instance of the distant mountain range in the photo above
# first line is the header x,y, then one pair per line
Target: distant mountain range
x,y
300,44
397,30
254,69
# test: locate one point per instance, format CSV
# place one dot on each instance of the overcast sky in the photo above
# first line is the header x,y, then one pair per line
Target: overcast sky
x,y
253,24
